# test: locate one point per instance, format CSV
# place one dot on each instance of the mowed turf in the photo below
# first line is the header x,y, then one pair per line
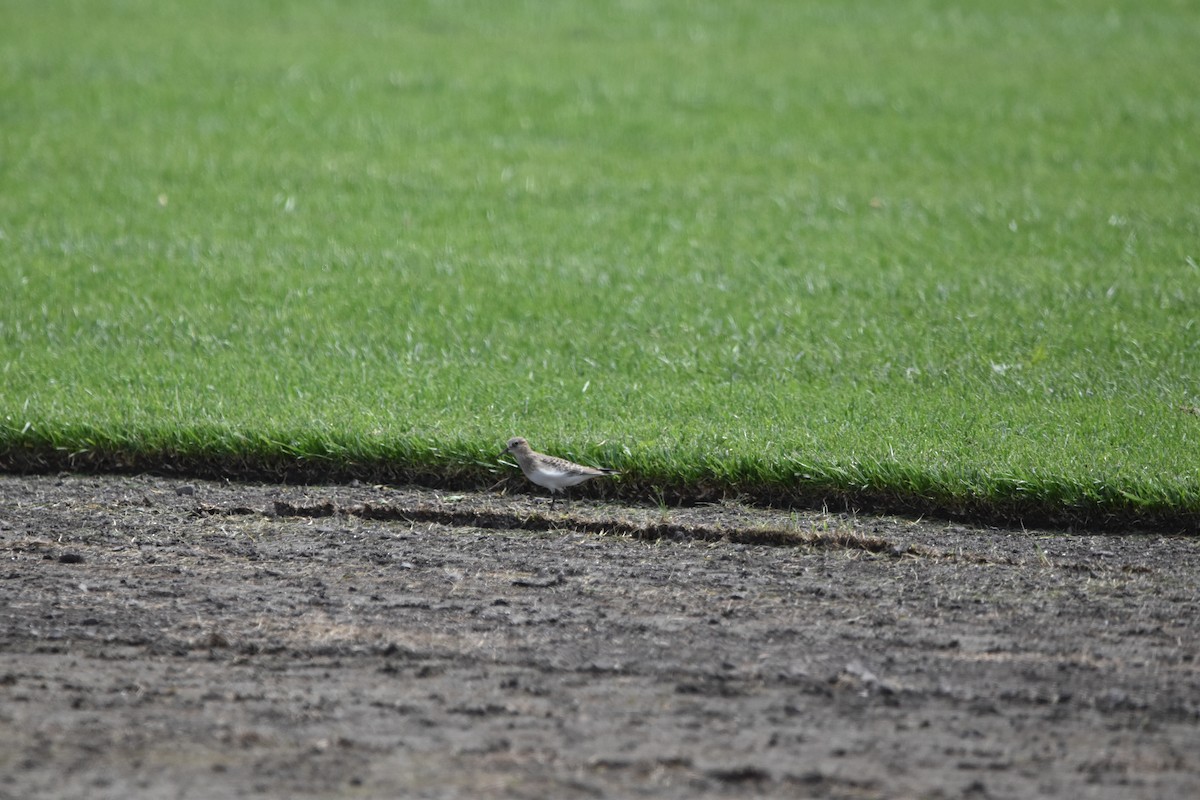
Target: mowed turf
x,y
909,255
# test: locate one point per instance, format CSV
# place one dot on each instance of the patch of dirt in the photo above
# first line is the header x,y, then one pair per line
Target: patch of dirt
x,y
162,638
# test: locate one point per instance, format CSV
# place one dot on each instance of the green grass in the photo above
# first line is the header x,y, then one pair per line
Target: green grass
x,y
908,255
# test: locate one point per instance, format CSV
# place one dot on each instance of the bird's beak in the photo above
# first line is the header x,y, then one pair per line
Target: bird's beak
x,y
502,452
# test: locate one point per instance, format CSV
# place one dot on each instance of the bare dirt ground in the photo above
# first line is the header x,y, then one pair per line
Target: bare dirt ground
x,y
167,639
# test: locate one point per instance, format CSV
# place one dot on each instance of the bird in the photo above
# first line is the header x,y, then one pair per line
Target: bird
x,y
555,474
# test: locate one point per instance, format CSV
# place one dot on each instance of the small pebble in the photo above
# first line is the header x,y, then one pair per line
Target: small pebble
x,y
71,558
185,489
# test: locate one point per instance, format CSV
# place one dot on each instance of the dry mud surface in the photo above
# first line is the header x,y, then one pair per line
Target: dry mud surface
x,y
198,640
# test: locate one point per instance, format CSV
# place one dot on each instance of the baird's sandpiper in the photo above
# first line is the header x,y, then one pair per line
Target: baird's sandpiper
x,y
556,474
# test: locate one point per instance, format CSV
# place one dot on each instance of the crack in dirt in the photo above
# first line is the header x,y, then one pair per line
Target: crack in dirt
x,y
649,532
505,520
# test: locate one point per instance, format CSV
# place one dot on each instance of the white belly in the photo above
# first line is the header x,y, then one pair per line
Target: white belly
x,y
553,479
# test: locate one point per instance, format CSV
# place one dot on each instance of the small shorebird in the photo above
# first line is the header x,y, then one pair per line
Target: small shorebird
x,y
556,474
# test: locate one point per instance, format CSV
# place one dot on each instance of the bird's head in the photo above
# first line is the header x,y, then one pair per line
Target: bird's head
x,y
516,443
